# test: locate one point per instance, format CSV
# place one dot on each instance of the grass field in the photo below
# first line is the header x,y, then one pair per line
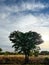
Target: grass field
x,y
19,59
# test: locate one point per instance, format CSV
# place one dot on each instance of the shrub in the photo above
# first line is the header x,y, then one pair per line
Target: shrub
x,y
46,61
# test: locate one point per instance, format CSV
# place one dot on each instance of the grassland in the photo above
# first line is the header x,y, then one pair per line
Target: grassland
x,y
19,59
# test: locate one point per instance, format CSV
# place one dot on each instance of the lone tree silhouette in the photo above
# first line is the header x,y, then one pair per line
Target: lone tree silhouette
x,y
24,42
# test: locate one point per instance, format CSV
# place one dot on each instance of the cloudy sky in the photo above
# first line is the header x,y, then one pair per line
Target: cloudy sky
x,y
24,15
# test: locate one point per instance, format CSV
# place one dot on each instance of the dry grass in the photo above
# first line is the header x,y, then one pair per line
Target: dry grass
x,y
20,58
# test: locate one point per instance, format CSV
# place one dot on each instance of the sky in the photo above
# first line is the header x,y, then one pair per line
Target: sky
x,y
24,15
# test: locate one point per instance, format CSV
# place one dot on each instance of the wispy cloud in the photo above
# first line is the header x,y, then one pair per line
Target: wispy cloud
x,y
25,6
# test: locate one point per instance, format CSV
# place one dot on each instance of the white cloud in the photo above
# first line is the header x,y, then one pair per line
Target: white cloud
x,y
4,40
34,23
34,6
10,22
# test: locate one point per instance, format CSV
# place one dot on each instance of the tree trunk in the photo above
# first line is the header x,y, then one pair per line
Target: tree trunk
x,y
26,59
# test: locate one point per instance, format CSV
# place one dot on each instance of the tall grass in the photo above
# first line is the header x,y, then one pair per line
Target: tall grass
x,y
19,60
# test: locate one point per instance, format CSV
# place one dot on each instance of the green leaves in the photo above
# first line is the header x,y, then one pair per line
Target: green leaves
x,y
25,41
0,49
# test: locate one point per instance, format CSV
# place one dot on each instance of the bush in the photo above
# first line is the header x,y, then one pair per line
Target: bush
x,y
46,61
36,53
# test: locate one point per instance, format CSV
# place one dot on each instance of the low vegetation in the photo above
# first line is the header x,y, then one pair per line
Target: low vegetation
x,y
19,59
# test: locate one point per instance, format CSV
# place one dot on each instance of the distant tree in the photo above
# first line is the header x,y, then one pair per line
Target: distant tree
x,y
36,51
44,53
6,53
0,49
24,42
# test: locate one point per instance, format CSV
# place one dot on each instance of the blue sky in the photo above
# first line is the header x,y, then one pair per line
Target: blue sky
x,y
24,15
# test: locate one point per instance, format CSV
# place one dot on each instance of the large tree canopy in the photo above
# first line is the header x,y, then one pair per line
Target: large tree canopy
x,y
25,41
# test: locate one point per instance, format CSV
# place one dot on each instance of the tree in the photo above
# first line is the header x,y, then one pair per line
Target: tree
x,y
44,53
6,53
0,49
36,51
24,42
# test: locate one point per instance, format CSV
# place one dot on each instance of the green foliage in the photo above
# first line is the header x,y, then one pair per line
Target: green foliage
x,y
0,49
46,61
31,53
6,53
36,51
24,42
44,53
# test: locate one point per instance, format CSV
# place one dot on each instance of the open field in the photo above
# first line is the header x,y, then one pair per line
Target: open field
x,y
22,56
19,59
